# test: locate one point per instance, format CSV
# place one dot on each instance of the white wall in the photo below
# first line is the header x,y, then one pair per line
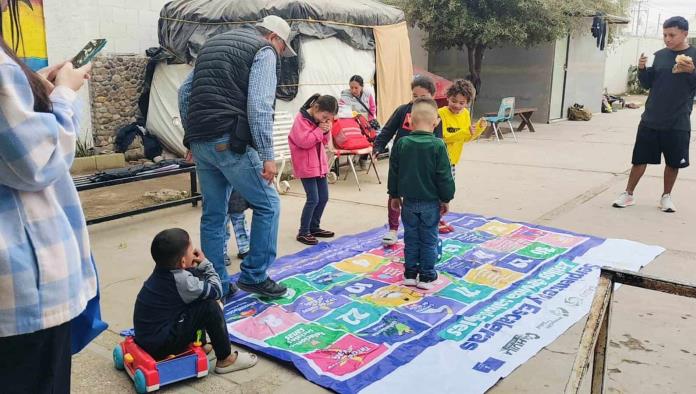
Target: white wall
x,y
626,54
130,26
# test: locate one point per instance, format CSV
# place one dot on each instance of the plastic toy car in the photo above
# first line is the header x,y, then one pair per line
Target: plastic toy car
x,y
149,375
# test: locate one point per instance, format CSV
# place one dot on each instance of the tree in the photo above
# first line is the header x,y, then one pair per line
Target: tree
x,y
483,24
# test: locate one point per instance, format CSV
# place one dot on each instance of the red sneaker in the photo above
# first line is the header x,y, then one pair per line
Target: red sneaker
x,y
445,228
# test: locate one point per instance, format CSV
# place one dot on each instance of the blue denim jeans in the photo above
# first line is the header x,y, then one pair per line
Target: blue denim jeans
x,y
420,219
219,172
317,190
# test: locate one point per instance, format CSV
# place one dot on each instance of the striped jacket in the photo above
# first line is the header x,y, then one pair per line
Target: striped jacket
x,y
46,271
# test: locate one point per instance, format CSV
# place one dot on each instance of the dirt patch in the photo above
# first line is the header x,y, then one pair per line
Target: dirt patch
x,y
129,196
627,361
634,344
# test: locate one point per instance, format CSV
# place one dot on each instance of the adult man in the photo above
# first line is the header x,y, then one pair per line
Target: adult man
x,y
665,127
229,131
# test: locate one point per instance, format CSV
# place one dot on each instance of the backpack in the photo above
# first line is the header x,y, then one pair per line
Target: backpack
x,y
579,112
367,128
348,135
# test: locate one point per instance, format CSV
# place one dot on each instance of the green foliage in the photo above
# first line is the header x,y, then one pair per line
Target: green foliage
x,y
82,150
493,23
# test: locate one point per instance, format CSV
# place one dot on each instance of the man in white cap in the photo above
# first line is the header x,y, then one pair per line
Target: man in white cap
x,y
229,129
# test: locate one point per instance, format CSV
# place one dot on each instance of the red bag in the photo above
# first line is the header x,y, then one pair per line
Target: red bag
x,y
366,128
348,135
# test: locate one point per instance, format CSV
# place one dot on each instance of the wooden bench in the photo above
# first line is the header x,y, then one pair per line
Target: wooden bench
x,y
525,115
83,183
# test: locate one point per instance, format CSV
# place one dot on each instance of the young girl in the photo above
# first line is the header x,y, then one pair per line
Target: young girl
x,y
456,120
308,138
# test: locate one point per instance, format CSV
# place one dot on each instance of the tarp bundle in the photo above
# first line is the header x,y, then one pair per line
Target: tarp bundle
x,y
185,25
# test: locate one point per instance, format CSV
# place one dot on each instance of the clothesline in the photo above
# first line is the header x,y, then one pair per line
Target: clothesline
x,y
254,21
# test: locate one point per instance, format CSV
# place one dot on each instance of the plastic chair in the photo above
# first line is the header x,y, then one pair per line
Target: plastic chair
x,y
505,114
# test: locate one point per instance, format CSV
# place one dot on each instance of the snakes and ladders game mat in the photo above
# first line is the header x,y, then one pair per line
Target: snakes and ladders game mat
x,y
505,290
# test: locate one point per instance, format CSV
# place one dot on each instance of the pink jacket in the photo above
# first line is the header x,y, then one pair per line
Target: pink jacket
x,y
308,148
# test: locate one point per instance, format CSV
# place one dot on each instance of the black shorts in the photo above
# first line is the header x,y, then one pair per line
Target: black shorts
x,y
652,144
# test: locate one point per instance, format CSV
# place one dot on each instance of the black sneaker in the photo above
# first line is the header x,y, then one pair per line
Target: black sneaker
x,y
307,239
323,233
242,256
268,288
230,293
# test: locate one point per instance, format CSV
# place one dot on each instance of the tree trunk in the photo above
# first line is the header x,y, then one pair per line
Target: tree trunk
x,y
475,58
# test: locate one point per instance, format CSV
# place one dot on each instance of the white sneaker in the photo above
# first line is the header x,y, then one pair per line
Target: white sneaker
x,y
666,204
426,285
410,282
390,238
624,200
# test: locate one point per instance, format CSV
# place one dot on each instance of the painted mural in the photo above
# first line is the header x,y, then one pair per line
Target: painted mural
x,y
32,46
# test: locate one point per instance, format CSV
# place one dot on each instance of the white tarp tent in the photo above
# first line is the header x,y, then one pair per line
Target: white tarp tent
x,y
326,67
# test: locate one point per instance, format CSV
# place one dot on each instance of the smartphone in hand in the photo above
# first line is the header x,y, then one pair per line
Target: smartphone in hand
x,y
88,52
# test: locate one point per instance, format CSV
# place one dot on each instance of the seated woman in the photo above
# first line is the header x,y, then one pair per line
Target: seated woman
x,y
358,99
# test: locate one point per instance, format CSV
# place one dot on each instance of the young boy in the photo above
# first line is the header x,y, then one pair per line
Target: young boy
x,y
180,298
456,120
399,125
665,126
422,190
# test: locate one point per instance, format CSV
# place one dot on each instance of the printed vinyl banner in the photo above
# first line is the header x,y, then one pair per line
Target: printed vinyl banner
x,y
505,290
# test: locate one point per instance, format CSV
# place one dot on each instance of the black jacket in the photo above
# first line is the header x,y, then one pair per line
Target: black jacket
x,y
399,124
220,87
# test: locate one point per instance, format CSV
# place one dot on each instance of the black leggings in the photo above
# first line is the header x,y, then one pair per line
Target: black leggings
x,y
206,316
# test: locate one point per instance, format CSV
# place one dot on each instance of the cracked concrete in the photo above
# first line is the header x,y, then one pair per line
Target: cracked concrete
x,y
565,175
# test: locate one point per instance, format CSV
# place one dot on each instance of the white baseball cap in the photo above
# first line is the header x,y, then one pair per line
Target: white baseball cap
x,y
280,27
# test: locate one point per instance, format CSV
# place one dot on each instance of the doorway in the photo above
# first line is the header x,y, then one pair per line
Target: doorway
x,y
558,80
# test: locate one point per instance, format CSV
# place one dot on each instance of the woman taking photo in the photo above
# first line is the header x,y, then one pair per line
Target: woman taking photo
x,y
47,276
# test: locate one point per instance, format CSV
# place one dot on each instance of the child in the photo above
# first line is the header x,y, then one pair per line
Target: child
x,y
426,187
180,298
400,125
235,214
456,120
308,138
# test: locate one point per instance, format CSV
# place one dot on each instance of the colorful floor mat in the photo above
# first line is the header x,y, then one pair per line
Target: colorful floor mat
x,y
505,290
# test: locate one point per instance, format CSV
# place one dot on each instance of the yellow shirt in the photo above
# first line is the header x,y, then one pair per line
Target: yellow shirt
x,y
455,132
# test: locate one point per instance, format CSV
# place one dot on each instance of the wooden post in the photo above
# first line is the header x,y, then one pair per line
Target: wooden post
x,y
599,366
590,332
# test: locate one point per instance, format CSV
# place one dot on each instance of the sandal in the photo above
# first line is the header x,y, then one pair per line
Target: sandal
x,y
307,239
244,361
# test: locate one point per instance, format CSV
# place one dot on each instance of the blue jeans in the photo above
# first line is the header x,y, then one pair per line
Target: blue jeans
x,y
317,190
219,172
420,219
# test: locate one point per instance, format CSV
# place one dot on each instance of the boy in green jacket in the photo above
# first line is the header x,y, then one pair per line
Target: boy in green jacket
x,y
421,185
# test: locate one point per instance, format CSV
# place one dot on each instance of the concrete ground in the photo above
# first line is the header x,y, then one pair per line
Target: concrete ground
x,y
565,175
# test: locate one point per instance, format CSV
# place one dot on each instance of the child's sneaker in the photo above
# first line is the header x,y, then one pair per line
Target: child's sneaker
x,y
445,228
390,238
426,285
666,204
410,282
624,200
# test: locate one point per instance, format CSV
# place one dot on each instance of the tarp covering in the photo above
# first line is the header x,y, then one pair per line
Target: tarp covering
x,y
394,69
327,66
163,116
185,24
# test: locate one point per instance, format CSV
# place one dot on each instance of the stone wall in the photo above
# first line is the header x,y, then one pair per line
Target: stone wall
x,y
116,85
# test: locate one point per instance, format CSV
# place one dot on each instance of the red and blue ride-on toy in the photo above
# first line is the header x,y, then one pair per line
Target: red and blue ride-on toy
x,y
149,374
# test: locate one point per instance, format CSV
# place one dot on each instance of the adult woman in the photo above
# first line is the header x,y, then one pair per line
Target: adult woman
x,y
47,276
358,99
